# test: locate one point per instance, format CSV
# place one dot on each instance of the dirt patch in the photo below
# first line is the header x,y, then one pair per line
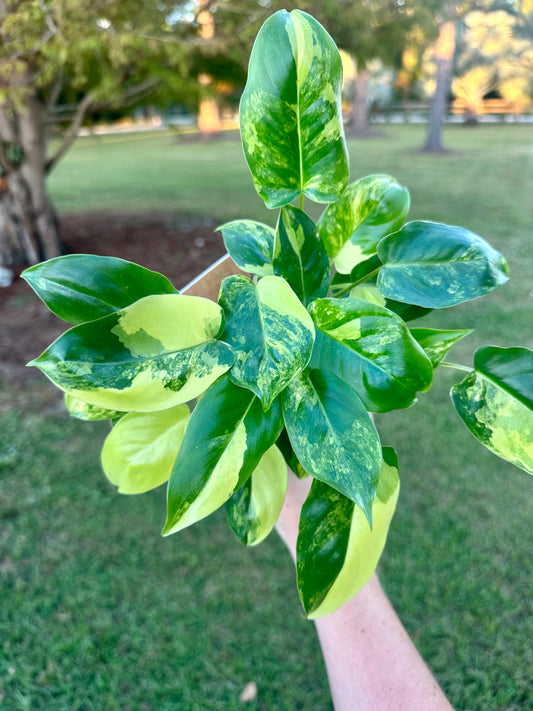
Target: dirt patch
x,y
176,246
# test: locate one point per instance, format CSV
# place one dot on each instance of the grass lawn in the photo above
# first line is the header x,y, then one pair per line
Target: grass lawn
x,y
99,612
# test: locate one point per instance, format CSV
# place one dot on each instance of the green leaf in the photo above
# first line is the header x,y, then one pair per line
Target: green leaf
x,y
84,287
290,112
434,265
495,401
332,435
228,433
254,509
159,352
369,209
407,312
90,413
368,293
250,244
299,256
337,551
140,451
437,343
370,348
284,445
271,332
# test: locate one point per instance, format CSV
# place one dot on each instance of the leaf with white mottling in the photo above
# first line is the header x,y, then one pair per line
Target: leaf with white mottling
x,y
270,331
250,244
371,349
140,451
434,265
299,256
254,509
332,435
337,551
437,342
290,112
495,401
369,209
84,287
159,352
227,435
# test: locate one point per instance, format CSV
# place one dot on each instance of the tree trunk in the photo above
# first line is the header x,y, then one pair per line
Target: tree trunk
x,y
358,118
28,224
444,51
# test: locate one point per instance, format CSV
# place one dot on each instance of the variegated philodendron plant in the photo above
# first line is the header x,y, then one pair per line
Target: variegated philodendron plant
x,y
288,365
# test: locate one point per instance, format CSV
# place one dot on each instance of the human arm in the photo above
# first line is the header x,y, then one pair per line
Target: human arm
x,y
371,662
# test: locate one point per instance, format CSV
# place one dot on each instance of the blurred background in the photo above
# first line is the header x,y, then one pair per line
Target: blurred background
x,y
119,135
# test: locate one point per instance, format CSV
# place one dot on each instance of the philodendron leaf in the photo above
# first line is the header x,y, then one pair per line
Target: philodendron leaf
x,y
84,287
269,329
434,265
332,435
290,112
227,435
495,401
371,349
254,509
250,244
407,312
436,343
362,273
299,256
369,209
368,293
159,352
90,413
284,444
140,451
337,551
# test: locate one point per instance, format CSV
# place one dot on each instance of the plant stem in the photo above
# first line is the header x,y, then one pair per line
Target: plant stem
x,y
455,366
359,281
301,201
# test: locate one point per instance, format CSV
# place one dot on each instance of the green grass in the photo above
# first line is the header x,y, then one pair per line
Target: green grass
x,y
99,612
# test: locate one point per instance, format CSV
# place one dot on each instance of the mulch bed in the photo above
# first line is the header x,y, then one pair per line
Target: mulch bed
x,y
174,245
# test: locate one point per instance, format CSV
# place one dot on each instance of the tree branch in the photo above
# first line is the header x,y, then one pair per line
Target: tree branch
x,y
71,133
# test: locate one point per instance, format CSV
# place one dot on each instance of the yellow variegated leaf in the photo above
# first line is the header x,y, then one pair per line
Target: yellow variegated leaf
x,y
254,509
159,352
140,451
290,113
337,551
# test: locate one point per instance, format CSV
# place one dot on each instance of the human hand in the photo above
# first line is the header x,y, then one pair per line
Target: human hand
x,y
287,525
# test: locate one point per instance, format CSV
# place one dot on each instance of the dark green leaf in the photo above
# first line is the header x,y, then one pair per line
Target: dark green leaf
x,y
299,256
227,435
159,352
436,343
495,401
290,112
271,332
84,287
369,209
332,435
254,509
337,552
434,265
370,348
407,312
284,444
250,244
